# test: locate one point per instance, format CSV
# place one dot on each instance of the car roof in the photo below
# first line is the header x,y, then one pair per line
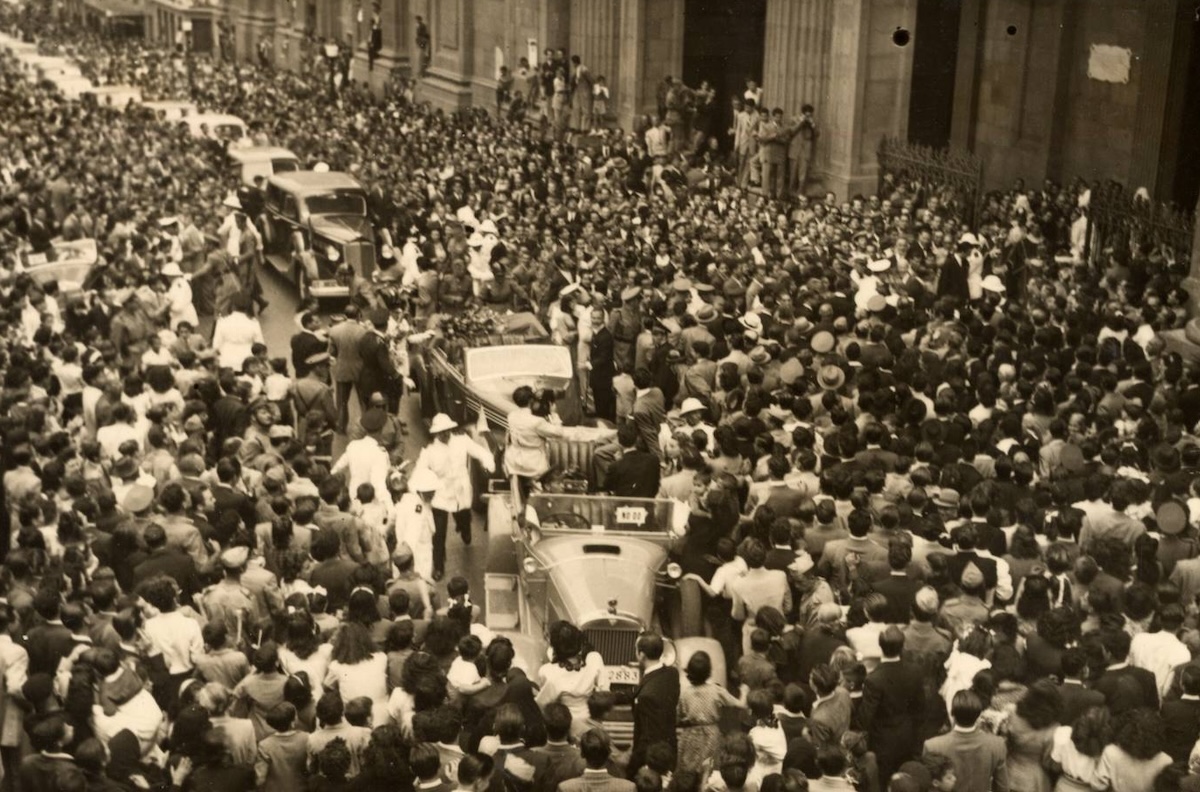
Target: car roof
x,y
310,182
214,118
259,153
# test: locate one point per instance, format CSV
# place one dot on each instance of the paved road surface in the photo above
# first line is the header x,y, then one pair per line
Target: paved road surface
x,y
279,325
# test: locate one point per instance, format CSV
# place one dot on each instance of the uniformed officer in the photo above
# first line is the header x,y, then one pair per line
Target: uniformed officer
x,y
231,602
626,325
414,521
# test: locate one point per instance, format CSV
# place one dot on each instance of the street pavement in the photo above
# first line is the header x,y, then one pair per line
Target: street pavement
x,y
279,325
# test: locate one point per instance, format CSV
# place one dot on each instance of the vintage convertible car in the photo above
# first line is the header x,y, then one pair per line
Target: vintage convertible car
x,y
461,377
598,561
72,263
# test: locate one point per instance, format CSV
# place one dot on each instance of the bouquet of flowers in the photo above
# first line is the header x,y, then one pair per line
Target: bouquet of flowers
x,y
472,322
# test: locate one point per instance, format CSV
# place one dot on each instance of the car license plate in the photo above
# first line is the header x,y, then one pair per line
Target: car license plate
x,y
623,675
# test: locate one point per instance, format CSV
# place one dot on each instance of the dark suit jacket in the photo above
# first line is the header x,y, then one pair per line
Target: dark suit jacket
x,y
304,346
1128,688
1181,720
559,763
596,782
893,704
601,356
1077,700
334,576
173,563
816,647
978,757
378,371
47,644
344,339
901,591
229,418
654,707
479,711
634,475
229,499
649,412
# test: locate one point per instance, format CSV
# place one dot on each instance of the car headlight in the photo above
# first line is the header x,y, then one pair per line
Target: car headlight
x,y
674,571
530,565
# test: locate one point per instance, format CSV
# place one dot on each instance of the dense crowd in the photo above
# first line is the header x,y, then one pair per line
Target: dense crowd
x,y
939,476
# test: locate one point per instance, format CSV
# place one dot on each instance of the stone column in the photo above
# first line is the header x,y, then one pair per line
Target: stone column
x,y
796,55
871,77
651,48
253,19
595,34
447,82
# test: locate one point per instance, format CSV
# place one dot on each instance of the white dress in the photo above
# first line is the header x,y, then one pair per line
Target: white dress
x,y
233,338
572,688
368,678
414,527
316,665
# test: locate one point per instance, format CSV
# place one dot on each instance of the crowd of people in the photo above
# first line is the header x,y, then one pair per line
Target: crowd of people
x,y
940,478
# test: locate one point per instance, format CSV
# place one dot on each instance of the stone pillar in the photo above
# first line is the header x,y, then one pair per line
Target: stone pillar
x,y
871,77
651,48
595,34
447,82
796,63
253,19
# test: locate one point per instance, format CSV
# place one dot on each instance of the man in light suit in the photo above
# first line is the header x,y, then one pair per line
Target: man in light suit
x,y
344,338
978,757
596,778
654,703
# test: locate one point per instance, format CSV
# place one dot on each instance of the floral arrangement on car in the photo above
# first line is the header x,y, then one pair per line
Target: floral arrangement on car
x,y
472,323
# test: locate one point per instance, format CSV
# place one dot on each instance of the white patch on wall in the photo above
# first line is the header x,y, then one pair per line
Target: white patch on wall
x,y
499,56
531,52
1108,63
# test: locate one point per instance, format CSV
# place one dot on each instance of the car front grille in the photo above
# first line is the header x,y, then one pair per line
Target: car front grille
x,y
617,646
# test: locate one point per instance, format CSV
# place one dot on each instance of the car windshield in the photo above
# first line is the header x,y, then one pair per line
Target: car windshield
x,y
599,513
338,202
228,131
285,165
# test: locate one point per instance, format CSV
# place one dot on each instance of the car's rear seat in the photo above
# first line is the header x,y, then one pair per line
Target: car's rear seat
x,y
573,454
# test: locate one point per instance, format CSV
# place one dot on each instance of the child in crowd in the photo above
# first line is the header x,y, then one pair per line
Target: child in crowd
x,y
220,662
464,676
375,514
358,712
282,756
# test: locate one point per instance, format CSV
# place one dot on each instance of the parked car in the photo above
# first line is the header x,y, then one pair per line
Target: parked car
x,y
598,561
171,109
118,96
219,125
314,222
247,162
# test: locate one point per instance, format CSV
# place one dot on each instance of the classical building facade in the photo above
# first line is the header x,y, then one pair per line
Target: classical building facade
x,y
1035,88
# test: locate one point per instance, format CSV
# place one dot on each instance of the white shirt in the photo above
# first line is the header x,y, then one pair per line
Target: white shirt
x,y
450,462
368,463
178,638
726,574
414,527
1160,653
179,298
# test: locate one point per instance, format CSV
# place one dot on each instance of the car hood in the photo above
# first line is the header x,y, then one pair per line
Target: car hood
x,y
589,570
341,228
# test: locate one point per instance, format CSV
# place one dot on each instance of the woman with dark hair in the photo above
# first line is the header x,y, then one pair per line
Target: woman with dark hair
x,y
574,673
1147,568
1056,630
303,650
698,715
1135,757
363,608
441,640
209,769
422,677
1075,750
357,669
1030,732
1032,602
384,762
1024,555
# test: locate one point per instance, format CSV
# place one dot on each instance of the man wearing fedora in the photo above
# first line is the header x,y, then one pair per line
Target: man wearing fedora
x,y
448,456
